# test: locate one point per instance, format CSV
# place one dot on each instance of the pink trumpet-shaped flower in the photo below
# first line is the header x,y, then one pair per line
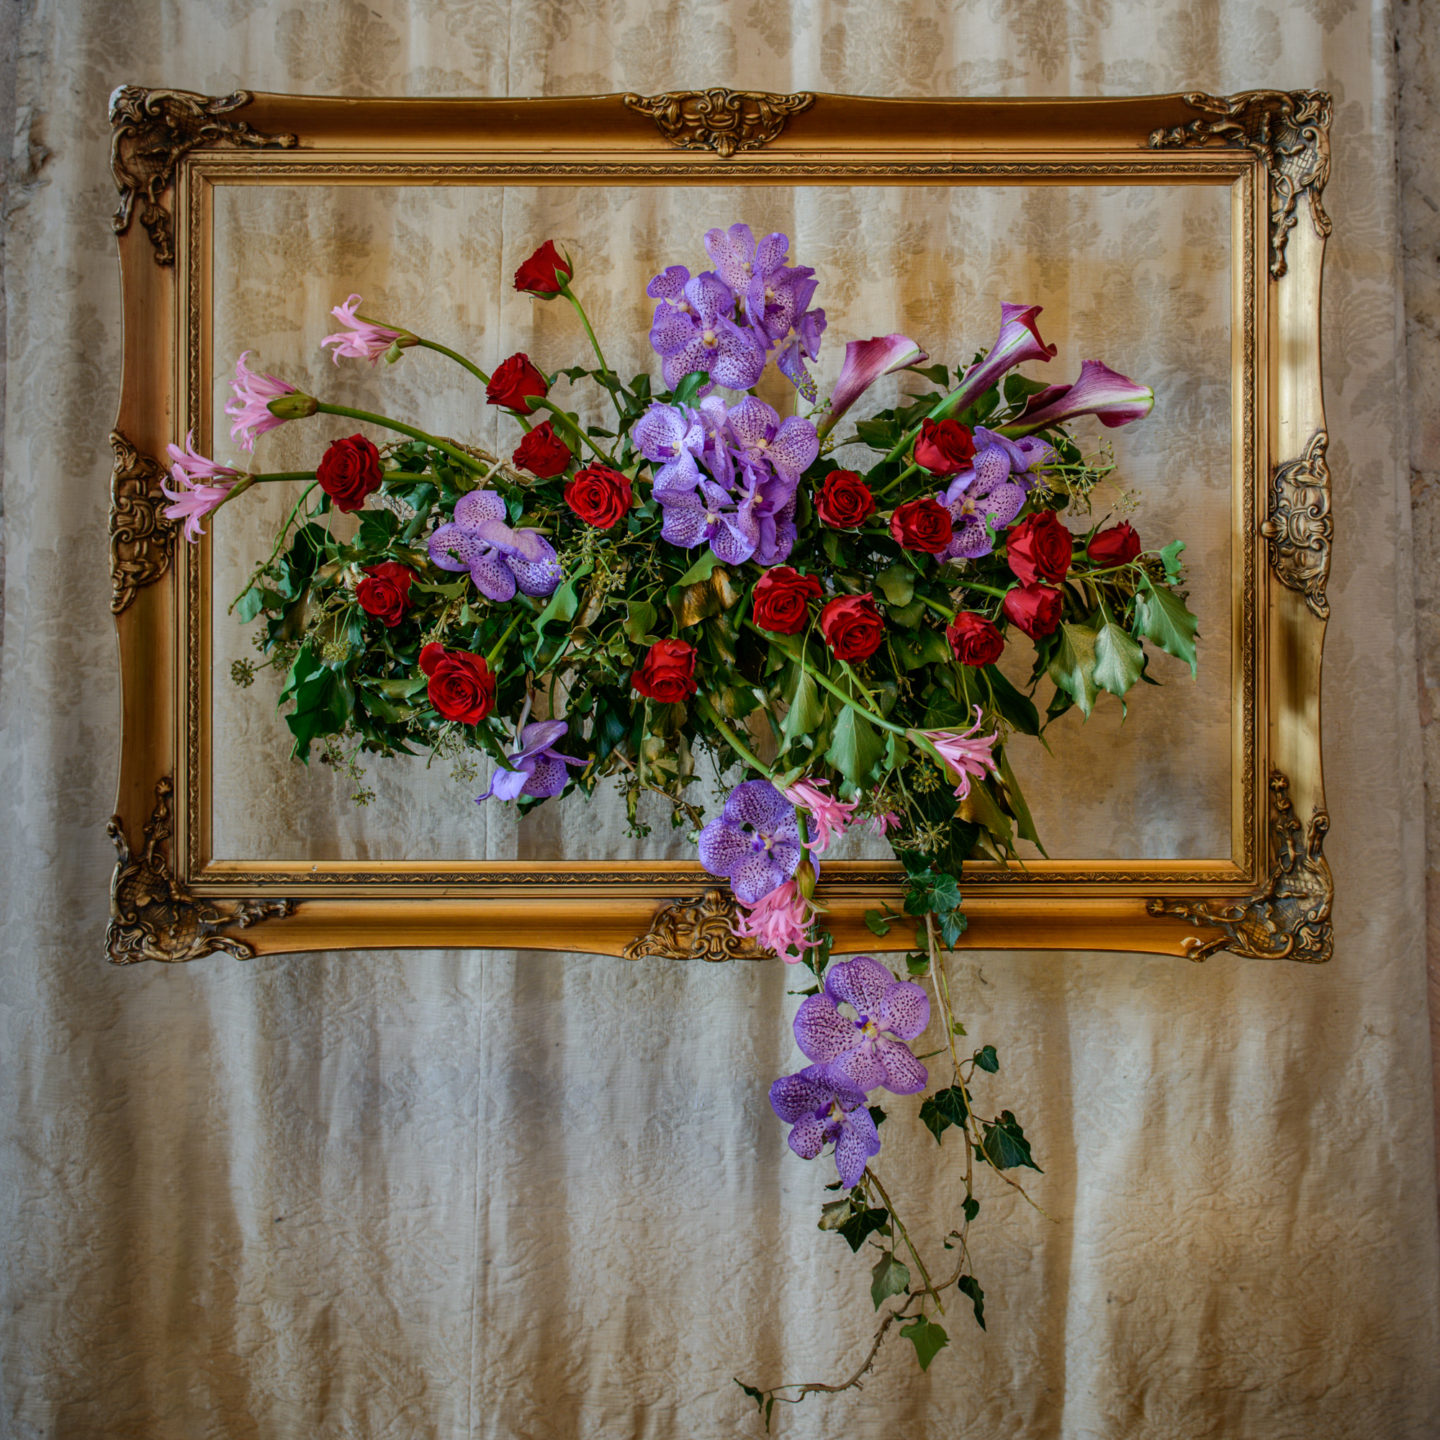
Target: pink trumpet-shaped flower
x,y
780,921
1017,342
1114,399
361,339
830,815
967,753
193,501
250,409
886,822
865,362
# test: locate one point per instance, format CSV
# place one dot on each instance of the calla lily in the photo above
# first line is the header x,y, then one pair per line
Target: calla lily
x,y
865,362
1017,342
1114,399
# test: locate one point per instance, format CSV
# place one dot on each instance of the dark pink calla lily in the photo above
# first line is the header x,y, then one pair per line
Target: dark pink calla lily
x,y
1114,399
865,362
1018,341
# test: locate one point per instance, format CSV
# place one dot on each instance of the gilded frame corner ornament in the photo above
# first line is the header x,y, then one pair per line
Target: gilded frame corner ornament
x,y
151,132
725,121
173,899
153,916
1288,130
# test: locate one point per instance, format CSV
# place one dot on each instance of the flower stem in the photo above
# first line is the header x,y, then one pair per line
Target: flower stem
x,y
279,541
821,678
370,418
456,356
594,343
702,703
499,645
889,1204
568,424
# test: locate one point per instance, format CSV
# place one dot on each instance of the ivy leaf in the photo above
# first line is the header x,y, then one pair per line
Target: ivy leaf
x,y
889,1277
876,923
1119,660
377,529
1072,666
969,1285
249,605
699,571
971,1207
922,647
834,1213
863,1223
898,583
928,1338
639,618
1162,617
763,1404
855,748
1004,1144
563,603
986,1059
942,1110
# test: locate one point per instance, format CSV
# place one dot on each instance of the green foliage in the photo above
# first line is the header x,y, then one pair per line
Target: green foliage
x,y
1163,618
862,1223
928,1338
888,1277
855,747
1072,665
969,1285
986,1059
1119,660
1004,1145
943,1109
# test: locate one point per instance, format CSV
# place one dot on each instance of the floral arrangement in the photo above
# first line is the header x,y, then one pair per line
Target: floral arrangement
x,y
821,608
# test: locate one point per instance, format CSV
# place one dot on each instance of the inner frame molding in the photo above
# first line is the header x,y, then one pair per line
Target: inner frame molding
x,y
1269,149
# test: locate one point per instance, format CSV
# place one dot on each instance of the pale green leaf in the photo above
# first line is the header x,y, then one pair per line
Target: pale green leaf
x,y
1163,618
1119,660
1072,667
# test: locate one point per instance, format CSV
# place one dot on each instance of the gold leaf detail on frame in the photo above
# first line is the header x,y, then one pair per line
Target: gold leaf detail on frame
x,y
724,121
1289,917
1289,131
141,538
151,132
154,917
1300,527
699,927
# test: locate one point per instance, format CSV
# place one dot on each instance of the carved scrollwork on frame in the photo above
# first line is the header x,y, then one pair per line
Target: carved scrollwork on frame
x,y
1289,131
1300,526
1289,917
154,917
724,121
699,927
142,540
151,132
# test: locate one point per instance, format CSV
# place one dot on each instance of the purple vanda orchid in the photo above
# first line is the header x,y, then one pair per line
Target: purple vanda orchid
x,y
537,767
500,560
866,361
1113,399
990,493
870,1050
693,329
820,1109
755,842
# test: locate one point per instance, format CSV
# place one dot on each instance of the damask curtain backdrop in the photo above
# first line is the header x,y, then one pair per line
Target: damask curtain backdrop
x,y
471,1193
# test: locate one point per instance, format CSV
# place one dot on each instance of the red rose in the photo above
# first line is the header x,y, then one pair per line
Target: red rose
x,y
599,495
853,628
515,383
349,471
1118,545
974,639
1035,609
462,686
921,525
844,501
1038,548
542,452
385,592
782,600
945,447
668,673
542,272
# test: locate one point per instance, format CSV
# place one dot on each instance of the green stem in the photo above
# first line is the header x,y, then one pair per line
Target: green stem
x,y
945,614
984,589
906,472
702,703
579,309
270,477
568,424
279,541
821,678
370,418
456,356
500,644
905,1236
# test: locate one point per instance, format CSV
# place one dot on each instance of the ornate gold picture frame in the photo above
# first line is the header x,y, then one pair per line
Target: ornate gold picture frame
x,y
174,152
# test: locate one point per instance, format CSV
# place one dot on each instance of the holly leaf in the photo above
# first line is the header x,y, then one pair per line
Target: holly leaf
x,y
969,1285
928,1338
1003,1143
862,1223
1119,660
1163,618
942,1110
1072,666
1170,558
986,1059
889,1277
855,749
807,710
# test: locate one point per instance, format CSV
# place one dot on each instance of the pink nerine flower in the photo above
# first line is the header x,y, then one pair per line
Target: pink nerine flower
x,y
194,501
780,921
967,753
830,815
250,409
887,821
361,339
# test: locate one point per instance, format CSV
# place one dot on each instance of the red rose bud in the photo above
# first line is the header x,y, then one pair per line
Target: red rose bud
x,y
944,447
668,672
515,383
542,452
385,592
349,471
599,495
462,687
782,600
1039,548
844,501
923,525
853,628
1118,545
543,272
1035,609
974,639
